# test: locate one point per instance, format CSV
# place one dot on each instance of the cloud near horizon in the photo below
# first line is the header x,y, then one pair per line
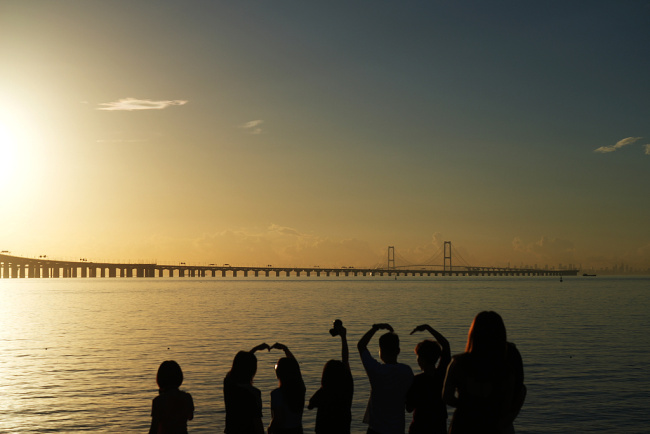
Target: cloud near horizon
x,y
546,250
619,144
130,104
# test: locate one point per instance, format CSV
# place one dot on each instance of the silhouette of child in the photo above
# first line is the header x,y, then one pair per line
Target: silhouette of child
x,y
172,408
424,398
243,400
288,400
334,398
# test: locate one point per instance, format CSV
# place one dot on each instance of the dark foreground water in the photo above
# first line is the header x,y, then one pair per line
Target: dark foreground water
x,y
81,355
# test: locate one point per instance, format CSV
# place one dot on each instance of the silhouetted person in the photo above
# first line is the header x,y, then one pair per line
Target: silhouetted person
x,y
172,408
424,398
288,400
389,383
243,400
334,398
486,382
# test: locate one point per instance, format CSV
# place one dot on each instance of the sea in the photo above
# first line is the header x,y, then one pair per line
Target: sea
x,y
81,355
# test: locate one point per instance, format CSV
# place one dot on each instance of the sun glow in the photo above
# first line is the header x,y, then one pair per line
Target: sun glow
x,y
19,161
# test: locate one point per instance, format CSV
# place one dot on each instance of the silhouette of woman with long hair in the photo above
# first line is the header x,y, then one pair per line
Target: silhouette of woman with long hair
x,y
485,383
334,398
172,408
288,400
243,400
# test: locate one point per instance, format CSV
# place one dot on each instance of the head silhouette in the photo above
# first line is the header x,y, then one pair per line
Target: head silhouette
x,y
336,375
428,353
170,375
291,383
389,347
487,336
244,367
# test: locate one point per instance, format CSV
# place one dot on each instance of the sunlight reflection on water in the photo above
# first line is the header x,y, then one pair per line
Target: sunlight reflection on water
x,y
82,354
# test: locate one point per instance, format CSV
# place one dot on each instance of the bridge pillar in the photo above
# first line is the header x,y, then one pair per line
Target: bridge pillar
x,y
288,272
84,271
223,273
245,273
234,273
257,273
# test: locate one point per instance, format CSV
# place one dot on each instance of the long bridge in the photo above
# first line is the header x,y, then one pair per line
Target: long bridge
x,y
42,268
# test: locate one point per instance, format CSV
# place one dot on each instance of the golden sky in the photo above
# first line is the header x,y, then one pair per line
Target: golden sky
x,y
294,133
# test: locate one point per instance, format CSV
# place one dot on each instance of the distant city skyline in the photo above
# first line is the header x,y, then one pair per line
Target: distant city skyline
x,y
303,133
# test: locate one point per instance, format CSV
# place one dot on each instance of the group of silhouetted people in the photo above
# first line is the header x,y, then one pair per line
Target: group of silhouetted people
x,y
485,384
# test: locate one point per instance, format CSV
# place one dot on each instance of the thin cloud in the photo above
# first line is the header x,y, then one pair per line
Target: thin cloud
x,y
253,127
121,140
647,149
619,144
130,104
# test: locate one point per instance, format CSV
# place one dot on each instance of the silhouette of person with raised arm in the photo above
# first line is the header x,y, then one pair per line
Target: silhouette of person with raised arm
x,y
486,382
389,383
424,398
172,408
243,400
334,398
288,400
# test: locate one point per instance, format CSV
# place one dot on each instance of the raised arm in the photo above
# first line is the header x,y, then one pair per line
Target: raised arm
x,y
445,357
345,353
260,347
283,347
362,345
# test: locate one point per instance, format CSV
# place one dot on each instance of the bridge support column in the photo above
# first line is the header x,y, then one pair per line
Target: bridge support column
x,y
234,273
223,273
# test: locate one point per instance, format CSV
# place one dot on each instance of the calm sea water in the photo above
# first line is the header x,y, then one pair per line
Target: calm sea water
x,y
81,354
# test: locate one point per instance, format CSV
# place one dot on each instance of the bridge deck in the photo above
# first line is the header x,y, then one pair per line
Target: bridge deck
x,y
19,267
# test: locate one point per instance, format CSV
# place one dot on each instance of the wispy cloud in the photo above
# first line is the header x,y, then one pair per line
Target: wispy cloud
x,y
253,127
647,149
130,104
121,140
619,144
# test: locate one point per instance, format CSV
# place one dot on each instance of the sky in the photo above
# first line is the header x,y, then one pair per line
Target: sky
x,y
299,133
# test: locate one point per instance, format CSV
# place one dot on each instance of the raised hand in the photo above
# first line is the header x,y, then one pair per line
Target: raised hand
x,y
384,326
421,328
278,346
263,346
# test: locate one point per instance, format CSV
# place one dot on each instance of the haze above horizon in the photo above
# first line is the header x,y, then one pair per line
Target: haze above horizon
x,y
306,133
